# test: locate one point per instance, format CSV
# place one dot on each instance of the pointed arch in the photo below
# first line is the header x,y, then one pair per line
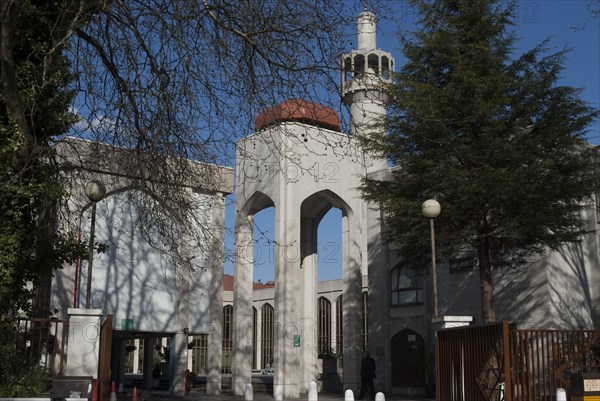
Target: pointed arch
x,y
318,204
256,202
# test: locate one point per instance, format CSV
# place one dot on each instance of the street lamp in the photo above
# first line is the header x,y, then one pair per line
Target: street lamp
x,y
431,209
95,192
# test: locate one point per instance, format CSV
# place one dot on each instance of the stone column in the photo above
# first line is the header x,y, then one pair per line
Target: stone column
x,y
260,364
242,303
309,297
84,342
178,348
288,282
352,302
215,329
178,362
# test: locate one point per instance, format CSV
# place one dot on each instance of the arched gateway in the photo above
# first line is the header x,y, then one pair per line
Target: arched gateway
x,y
300,163
284,165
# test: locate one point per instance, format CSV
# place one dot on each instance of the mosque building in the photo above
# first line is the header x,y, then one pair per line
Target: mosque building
x,y
221,326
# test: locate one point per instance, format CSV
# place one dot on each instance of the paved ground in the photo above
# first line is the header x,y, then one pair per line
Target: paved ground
x,y
200,396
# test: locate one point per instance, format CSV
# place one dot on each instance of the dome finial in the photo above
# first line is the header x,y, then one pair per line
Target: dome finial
x,y
366,6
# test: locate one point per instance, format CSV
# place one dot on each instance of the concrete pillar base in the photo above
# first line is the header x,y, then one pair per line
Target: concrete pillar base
x,y
84,342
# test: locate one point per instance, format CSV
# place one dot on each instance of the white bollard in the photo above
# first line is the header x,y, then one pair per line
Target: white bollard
x,y
349,395
313,395
249,393
278,393
561,394
380,397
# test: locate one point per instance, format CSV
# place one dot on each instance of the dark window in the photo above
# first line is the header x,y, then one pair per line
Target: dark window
x,y
339,326
324,327
406,286
461,264
267,327
200,354
227,338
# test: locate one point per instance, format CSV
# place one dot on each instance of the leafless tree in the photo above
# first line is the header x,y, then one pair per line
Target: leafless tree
x,y
173,81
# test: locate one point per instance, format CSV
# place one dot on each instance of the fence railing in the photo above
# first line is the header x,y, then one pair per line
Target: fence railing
x,y
497,362
543,360
471,362
44,343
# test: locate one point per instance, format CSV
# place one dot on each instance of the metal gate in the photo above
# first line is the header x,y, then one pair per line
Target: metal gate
x,y
471,363
543,360
43,342
497,362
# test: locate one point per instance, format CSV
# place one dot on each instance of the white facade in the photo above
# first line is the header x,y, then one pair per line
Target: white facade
x,y
150,291
300,199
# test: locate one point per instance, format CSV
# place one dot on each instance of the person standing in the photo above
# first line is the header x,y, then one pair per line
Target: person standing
x,y
367,374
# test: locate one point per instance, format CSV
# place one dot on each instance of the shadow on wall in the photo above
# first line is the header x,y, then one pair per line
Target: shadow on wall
x,y
570,288
520,295
137,279
553,292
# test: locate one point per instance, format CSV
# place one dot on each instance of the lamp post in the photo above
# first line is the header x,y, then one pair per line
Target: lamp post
x,y
431,209
95,192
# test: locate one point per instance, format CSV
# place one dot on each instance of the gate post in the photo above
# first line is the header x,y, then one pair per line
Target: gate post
x,y
507,348
105,358
84,342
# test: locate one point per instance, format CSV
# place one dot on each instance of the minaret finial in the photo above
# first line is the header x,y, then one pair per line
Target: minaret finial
x,y
366,6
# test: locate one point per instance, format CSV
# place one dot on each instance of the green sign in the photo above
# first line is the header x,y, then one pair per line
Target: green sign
x,y
127,324
296,341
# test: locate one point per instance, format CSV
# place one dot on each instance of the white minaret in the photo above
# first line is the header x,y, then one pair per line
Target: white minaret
x,y
363,72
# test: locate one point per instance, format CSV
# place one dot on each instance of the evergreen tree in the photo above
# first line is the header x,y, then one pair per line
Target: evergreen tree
x,y
492,136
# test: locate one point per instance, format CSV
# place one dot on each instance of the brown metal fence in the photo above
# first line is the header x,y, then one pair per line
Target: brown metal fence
x,y
471,363
501,363
543,360
44,341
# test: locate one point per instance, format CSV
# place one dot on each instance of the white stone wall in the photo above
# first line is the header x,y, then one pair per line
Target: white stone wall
x,y
140,279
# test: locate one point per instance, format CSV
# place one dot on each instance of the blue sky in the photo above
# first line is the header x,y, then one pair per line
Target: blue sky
x,y
566,23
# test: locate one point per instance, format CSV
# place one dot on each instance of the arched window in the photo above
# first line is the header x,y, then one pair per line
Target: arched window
x,y
373,63
267,327
385,67
324,327
339,326
406,286
359,65
227,338
347,69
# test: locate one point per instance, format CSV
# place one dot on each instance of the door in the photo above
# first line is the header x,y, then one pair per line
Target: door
x,y
408,359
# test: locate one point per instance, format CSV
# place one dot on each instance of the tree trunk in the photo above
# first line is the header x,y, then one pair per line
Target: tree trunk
x,y
8,15
488,312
